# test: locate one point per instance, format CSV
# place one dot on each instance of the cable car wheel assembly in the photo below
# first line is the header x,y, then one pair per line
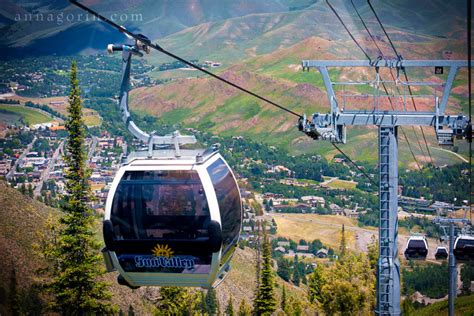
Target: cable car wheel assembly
x,y
173,216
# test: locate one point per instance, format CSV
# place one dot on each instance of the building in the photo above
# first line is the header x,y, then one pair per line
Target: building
x,y
322,253
303,248
313,200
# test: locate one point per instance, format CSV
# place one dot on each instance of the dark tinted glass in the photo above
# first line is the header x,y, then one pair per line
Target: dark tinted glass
x,y
228,198
158,216
417,244
463,243
160,204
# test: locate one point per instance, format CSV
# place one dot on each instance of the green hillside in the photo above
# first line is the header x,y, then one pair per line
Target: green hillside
x,y
30,116
232,40
464,306
207,104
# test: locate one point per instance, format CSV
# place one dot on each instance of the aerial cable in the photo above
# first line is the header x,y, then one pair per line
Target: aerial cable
x,y
469,72
350,34
381,55
355,165
148,43
366,28
404,72
386,91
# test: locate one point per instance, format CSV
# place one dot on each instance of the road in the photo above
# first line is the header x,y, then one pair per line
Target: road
x,y
20,159
364,235
451,152
45,174
90,154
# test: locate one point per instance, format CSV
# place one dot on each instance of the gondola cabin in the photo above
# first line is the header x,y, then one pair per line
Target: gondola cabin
x,y
441,253
172,221
417,248
464,248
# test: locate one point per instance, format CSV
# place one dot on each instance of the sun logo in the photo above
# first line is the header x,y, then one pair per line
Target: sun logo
x,y
162,251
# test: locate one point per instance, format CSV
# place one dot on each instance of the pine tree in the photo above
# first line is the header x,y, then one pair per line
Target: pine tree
x,y
296,272
202,308
244,308
76,262
265,303
173,301
30,191
283,298
211,301
23,189
316,283
373,253
342,247
257,263
131,311
229,310
14,296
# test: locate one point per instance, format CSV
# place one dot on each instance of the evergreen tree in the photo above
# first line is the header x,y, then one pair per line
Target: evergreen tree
x,y
202,303
296,272
265,303
342,247
283,298
30,191
14,296
211,302
316,282
76,262
244,308
257,263
373,253
229,310
173,301
23,188
131,311
284,269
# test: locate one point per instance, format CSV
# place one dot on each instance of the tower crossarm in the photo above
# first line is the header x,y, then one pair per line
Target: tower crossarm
x,y
332,126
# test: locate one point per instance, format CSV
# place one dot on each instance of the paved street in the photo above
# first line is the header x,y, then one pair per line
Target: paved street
x,y
20,159
45,175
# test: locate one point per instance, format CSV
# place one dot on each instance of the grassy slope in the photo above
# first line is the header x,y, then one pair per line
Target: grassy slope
x,y
464,306
206,104
241,281
21,220
327,228
31,116
209,105
91,117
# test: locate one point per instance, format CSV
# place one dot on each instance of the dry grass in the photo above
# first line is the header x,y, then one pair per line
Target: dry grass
x,y
342,184
326,228
91,117
241,281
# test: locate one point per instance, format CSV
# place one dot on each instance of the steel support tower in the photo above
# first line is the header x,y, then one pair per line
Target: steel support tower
x,y
332,126
453,272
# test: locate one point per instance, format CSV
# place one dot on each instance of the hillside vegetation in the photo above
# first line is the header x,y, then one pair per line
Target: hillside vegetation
x,y
21,220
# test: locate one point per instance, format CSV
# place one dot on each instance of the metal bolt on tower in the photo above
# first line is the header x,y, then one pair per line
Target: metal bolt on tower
x,y
332,126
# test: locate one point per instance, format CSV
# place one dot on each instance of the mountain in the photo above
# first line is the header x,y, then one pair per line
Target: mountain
x,y
210,105
44,27
228,30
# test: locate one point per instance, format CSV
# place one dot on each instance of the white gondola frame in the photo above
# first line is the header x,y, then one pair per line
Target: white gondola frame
x,y
185,164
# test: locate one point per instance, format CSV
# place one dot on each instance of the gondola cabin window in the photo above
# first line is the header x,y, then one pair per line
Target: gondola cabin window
x,y
228,198
160,204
